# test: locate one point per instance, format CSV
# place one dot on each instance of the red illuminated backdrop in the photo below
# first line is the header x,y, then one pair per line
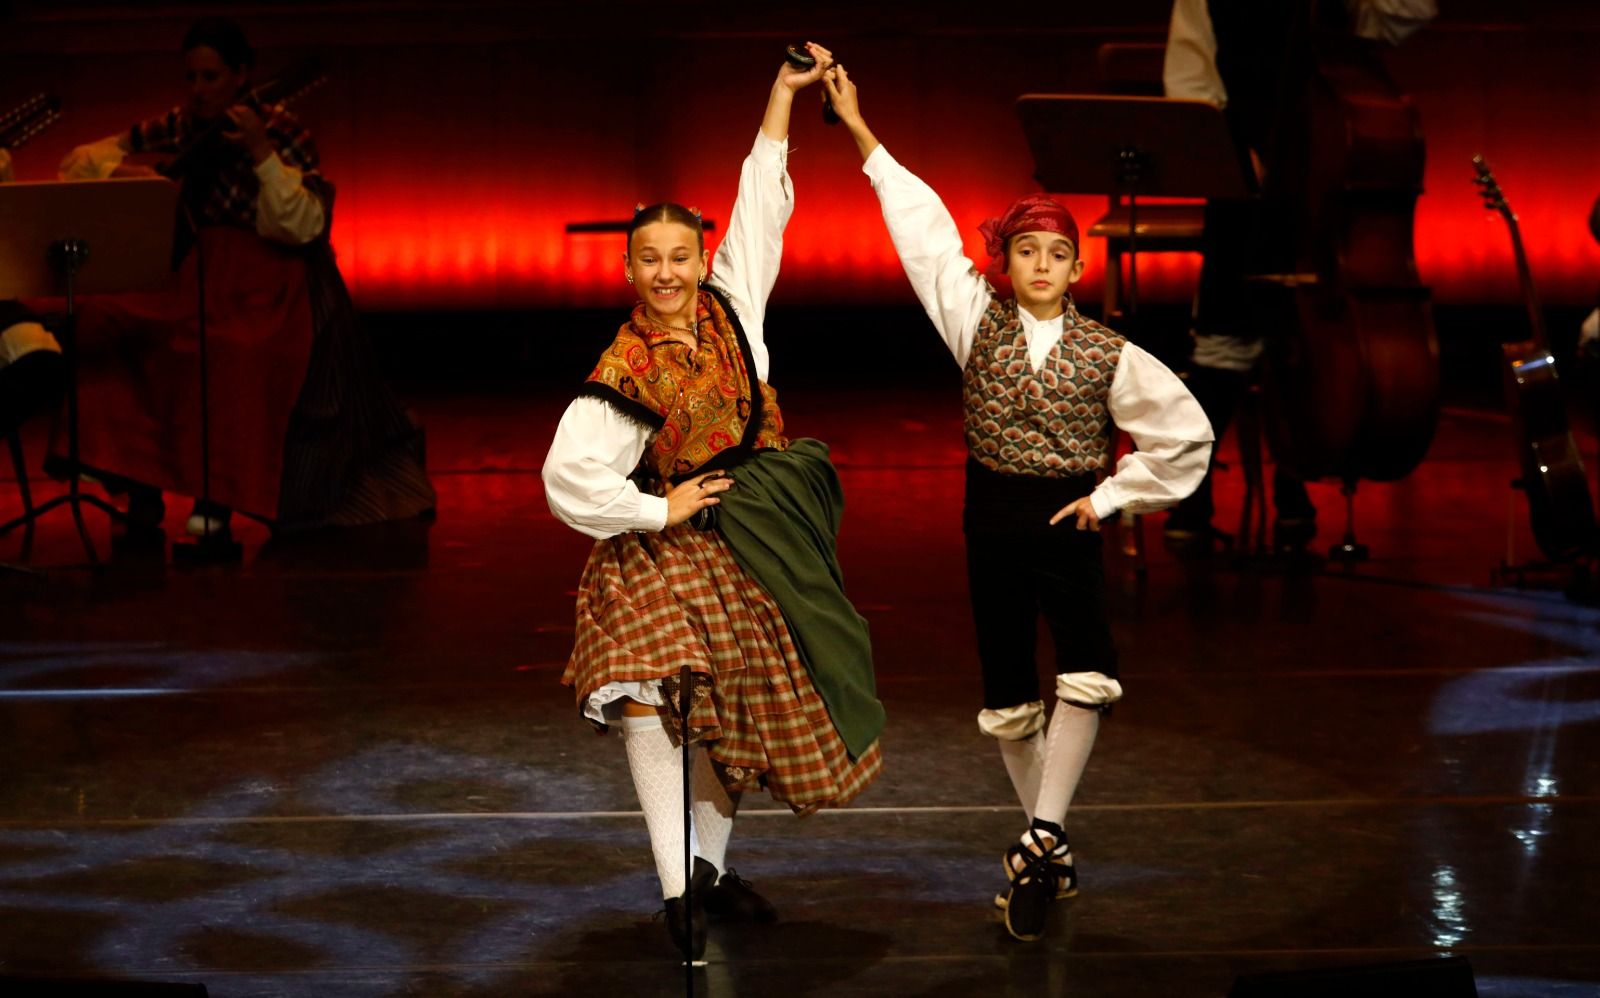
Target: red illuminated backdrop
x,y
463,144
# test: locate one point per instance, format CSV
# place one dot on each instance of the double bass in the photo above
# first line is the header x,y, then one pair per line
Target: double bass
x,y
1353,362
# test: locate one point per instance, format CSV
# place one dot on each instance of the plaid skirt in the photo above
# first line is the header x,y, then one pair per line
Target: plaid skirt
x,y
651,603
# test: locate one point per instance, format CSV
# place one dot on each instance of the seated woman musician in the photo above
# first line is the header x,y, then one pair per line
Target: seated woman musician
x,y
302,429
30,358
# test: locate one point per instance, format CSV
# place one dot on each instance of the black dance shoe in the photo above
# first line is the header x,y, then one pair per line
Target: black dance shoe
x,y
733,899
1066,886
689,933
209,519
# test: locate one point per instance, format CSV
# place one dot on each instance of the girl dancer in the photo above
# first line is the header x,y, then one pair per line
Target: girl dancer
x,y
715,559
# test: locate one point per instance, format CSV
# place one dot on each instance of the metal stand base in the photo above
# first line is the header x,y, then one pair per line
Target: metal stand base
x,y
74,499
1348,550
66,257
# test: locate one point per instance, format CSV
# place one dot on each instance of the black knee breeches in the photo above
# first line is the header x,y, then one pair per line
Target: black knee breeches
x,y
1018,566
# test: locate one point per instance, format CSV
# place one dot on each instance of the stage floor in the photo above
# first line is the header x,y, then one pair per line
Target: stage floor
x,y
346,767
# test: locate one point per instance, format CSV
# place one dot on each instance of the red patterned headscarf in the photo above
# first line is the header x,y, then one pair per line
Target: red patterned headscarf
x,y
1033,213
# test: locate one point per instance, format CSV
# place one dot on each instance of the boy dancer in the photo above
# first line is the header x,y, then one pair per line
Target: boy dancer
x,y
1041,385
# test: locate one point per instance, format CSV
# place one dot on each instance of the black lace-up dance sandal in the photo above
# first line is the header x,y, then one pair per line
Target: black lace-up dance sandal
x,y
1044,878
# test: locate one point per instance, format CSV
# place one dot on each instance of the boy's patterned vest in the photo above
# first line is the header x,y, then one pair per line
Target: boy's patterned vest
x,y
1052,423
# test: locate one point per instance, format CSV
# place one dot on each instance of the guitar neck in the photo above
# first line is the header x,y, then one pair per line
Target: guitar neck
x,y
1530,294
27,120
298,81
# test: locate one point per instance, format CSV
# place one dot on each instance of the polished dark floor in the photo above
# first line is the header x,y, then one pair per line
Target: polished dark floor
x,y
345,767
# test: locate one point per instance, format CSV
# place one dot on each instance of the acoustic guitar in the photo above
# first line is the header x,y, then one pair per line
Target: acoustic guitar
x,y
208,142
194,162
28,119
1559,505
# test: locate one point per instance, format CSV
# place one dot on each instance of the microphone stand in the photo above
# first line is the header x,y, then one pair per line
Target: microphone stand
x,y
209,548
685,678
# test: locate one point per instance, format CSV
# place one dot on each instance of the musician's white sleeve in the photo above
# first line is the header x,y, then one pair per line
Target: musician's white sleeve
x,y
94,161
23,338
1190,67
1391,21
286,212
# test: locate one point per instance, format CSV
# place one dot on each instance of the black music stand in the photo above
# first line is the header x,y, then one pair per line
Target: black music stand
x,y
1133,147
82,237
209,548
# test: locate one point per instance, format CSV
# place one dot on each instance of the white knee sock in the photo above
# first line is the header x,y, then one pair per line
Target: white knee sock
x,y
1024,763
713,812
1066,752
657,767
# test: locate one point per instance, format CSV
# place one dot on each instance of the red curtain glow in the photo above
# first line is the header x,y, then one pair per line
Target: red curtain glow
x,y
459,165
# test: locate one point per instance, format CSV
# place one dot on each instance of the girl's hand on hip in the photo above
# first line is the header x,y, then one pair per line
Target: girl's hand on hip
x,y
691,496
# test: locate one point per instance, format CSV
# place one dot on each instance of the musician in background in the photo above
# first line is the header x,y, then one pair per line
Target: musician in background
x,y
1589,339
1236,54
30,365
30,357
262,172
303,431
1589,332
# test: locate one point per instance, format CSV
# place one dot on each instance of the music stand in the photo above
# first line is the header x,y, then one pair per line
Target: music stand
x,y
1133,147
82,237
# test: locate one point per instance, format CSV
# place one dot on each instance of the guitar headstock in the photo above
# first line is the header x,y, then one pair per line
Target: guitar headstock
x,y
1494,198
292,84
28,119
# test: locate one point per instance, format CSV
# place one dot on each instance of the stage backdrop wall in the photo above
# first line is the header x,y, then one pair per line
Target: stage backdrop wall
x,y
464,137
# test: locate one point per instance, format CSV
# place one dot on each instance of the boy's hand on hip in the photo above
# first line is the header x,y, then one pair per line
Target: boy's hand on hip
x,y
1083,509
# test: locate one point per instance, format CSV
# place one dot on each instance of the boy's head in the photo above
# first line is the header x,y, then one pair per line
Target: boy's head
x,y
1036,244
